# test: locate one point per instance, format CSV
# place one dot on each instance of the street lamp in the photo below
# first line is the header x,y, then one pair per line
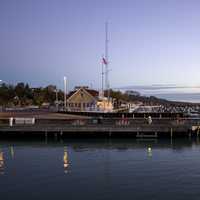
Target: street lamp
x,y
65,93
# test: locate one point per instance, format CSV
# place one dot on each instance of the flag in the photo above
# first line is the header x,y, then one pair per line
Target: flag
x,y
104,61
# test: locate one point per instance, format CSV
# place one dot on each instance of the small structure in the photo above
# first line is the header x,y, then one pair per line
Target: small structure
x,y
82,99
104,105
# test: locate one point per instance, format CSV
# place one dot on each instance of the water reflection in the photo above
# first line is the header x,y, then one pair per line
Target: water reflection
x,y
65,160
149,152
1,163
12,153
112,168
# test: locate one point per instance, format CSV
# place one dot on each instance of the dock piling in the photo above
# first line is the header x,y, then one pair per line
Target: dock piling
x,y
171,132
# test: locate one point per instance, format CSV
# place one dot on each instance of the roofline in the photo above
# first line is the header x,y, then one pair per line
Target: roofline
x,y
78,91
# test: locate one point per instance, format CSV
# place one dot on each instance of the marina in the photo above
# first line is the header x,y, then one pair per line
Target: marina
x,y
99,100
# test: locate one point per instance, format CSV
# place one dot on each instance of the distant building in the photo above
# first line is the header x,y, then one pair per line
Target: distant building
x,y
51,88
132,93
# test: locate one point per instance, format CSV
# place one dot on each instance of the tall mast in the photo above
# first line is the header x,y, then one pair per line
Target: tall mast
x,y
106,58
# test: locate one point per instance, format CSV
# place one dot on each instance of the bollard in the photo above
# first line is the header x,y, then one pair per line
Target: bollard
x,y
11,121
33,120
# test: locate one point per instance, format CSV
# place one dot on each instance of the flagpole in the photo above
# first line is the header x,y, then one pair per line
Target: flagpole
x,y
102,86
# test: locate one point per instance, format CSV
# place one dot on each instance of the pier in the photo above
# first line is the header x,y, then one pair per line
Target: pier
x,y
63,125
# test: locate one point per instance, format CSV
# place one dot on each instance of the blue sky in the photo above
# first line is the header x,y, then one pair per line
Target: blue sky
x,y
150,41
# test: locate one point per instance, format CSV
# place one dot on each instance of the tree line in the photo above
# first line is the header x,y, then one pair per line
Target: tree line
x,y
22,95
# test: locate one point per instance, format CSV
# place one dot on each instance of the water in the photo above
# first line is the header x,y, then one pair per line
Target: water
x,y
100,169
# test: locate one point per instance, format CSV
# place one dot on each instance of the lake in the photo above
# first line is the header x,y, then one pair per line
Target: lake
x,y
100,169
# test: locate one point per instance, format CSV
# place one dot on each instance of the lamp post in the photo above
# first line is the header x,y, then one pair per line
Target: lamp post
x,y
65,93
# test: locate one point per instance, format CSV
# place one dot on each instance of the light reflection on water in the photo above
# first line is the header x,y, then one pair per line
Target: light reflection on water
x,y
65,160
100,169
1,162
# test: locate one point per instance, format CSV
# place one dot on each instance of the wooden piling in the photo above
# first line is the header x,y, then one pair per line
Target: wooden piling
x,y
171,132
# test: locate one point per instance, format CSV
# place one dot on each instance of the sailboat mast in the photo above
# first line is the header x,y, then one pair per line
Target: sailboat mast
x,y
106,58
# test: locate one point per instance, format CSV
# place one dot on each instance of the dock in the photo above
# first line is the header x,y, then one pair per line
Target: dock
x,y
65,125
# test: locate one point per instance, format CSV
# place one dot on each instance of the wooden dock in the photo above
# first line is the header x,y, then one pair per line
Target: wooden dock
x,y
111,129
63,125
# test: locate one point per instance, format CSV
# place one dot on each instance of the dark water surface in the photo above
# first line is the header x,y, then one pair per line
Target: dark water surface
x,y
100,169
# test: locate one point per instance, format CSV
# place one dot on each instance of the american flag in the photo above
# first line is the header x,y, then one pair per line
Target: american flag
x,y
104,61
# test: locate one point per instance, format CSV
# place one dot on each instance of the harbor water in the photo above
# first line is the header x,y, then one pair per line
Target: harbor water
x,y
100,169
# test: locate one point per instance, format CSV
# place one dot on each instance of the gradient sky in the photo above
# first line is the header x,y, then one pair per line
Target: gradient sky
x,y
151,41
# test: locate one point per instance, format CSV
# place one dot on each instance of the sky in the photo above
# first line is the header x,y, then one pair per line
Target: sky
x,y
150,42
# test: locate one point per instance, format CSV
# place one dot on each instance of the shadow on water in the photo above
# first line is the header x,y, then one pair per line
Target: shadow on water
x,y
103,143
